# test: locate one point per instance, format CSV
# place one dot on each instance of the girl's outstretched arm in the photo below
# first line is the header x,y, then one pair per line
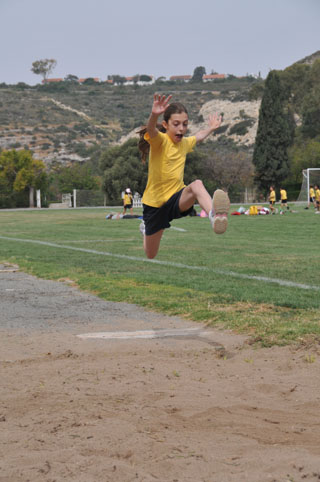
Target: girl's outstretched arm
x,y
214,122
160,103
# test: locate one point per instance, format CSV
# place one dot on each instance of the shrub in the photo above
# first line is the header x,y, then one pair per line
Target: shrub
x,y
241,128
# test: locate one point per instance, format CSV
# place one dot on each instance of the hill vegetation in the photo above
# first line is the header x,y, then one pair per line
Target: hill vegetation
x,y
68,123
61,121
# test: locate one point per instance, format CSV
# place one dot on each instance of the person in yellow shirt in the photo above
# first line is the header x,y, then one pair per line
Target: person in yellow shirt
x,y
284,199
272,199
127,201
312,197
166,196
317,198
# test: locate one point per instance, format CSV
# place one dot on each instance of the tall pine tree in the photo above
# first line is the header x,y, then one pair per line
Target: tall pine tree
x,y
274,135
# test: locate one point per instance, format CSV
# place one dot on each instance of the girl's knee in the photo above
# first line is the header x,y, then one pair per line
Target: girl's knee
x,y
151,252
151,244
196,185
151,255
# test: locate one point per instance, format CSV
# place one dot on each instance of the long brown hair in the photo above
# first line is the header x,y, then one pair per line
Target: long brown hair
x,y
143,145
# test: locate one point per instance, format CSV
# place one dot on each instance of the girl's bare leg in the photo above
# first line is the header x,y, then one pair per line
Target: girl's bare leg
x,y
217,208
151,244
195,192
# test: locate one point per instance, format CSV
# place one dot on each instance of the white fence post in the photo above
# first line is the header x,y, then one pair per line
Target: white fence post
x,y
137,203
38,198
74,198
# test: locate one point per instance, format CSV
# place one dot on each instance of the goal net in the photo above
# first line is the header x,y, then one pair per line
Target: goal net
x,y
310,177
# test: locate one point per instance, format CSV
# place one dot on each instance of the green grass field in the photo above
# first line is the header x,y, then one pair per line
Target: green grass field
x,y
259,278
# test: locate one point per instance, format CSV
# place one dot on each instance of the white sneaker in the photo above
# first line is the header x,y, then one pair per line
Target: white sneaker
x,y
219,214
142,228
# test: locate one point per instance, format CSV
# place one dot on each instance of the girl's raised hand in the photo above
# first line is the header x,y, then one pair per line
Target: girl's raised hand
x,y
214,121
160,103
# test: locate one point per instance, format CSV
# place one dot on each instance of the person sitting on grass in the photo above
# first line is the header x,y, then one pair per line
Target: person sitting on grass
x,y
166,197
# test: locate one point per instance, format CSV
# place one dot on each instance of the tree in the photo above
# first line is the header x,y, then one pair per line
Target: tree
x,y
72,79
160,80
295,81
43,67
90,81
20,172
303,155
311,114
122,168
198,73
145,78
274,135
230,168
117,79
76,176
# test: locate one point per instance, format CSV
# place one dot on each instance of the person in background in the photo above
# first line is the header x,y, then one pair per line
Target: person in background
x,y
127,201
272,199
317,198
284,199
312,197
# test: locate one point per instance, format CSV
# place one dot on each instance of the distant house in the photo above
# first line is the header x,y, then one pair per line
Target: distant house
x,y
128,81
49,81
183,78
133,80
211,77
146,82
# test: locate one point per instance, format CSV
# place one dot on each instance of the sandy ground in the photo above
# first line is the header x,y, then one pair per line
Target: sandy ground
x,y
205,407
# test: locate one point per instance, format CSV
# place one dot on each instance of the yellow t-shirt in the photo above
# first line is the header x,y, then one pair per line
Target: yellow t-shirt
x,y
166,167
283,194
311,190
272,196
127,199
318,195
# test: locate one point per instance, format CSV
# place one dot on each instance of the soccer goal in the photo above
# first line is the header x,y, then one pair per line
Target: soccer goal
x,y
310,177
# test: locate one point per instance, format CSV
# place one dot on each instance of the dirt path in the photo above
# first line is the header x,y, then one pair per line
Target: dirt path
x,y
206,408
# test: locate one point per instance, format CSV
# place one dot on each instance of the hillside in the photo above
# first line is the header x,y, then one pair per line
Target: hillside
x,y
310,59
63,122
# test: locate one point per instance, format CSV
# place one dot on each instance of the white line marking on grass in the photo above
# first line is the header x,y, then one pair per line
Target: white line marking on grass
x,y
145,334
110,240
179,229
265,279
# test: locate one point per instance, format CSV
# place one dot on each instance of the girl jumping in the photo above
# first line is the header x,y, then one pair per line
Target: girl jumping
x,y
166,197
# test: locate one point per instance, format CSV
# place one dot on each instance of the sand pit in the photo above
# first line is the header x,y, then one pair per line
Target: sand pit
x,y
200,408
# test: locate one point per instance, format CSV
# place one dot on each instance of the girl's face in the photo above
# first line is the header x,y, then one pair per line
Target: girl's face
x,y
176,126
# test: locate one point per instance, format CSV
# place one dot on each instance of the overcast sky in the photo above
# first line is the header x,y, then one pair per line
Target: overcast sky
x,y
97,38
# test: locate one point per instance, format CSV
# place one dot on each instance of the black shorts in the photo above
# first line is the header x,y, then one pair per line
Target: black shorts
x,y
127,206
156,219
311,199
283,201
271,203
